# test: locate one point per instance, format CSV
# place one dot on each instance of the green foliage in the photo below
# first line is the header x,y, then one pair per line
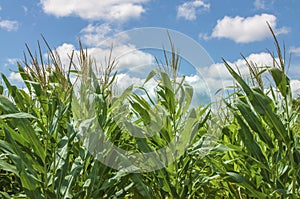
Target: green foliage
x,y
263,128
46,154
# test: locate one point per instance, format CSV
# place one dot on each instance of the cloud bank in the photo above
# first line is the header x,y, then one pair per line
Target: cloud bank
x,y
107,10
248,29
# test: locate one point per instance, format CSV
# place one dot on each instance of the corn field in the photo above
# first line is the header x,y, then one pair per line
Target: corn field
x,y
256,155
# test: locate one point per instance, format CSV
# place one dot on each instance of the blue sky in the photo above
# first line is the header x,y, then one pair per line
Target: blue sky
x,y
224,28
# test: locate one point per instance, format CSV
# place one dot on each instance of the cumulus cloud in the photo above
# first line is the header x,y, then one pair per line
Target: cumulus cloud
x,y
245,30
128,58
9,25
214,72
103,43
219,70
295,51
189,10
93,35
217,76
295,86
116,10
124,80
15,77
65,51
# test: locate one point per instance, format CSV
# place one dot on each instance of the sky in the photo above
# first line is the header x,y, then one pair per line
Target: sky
x,y
224,29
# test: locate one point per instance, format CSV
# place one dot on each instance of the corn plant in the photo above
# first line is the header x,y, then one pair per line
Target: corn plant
x,y
52,133
41,154
167,117
262,158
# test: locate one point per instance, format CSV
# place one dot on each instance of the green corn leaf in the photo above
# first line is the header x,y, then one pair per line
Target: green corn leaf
x,y
151,75
8,167
14,92
273,121
189,131
6,147
143,145
262,105
29,181
165,79
249,141
281,80
17,116
142,188
113,180
141,101
5,195
24,76
25,128
188,94
166,93
237,178
136,130
142,112
254,122
1,89
7,106
16,136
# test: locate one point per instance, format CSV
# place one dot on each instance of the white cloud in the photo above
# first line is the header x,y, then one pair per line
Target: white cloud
x,y
295,51
124,80
204,36
213,73
219,69
65,51
295,86
217,76
108,10
129,58
260,4
15,77
244,30
9,25
212,78
188,10
93,35
263,4
11,61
